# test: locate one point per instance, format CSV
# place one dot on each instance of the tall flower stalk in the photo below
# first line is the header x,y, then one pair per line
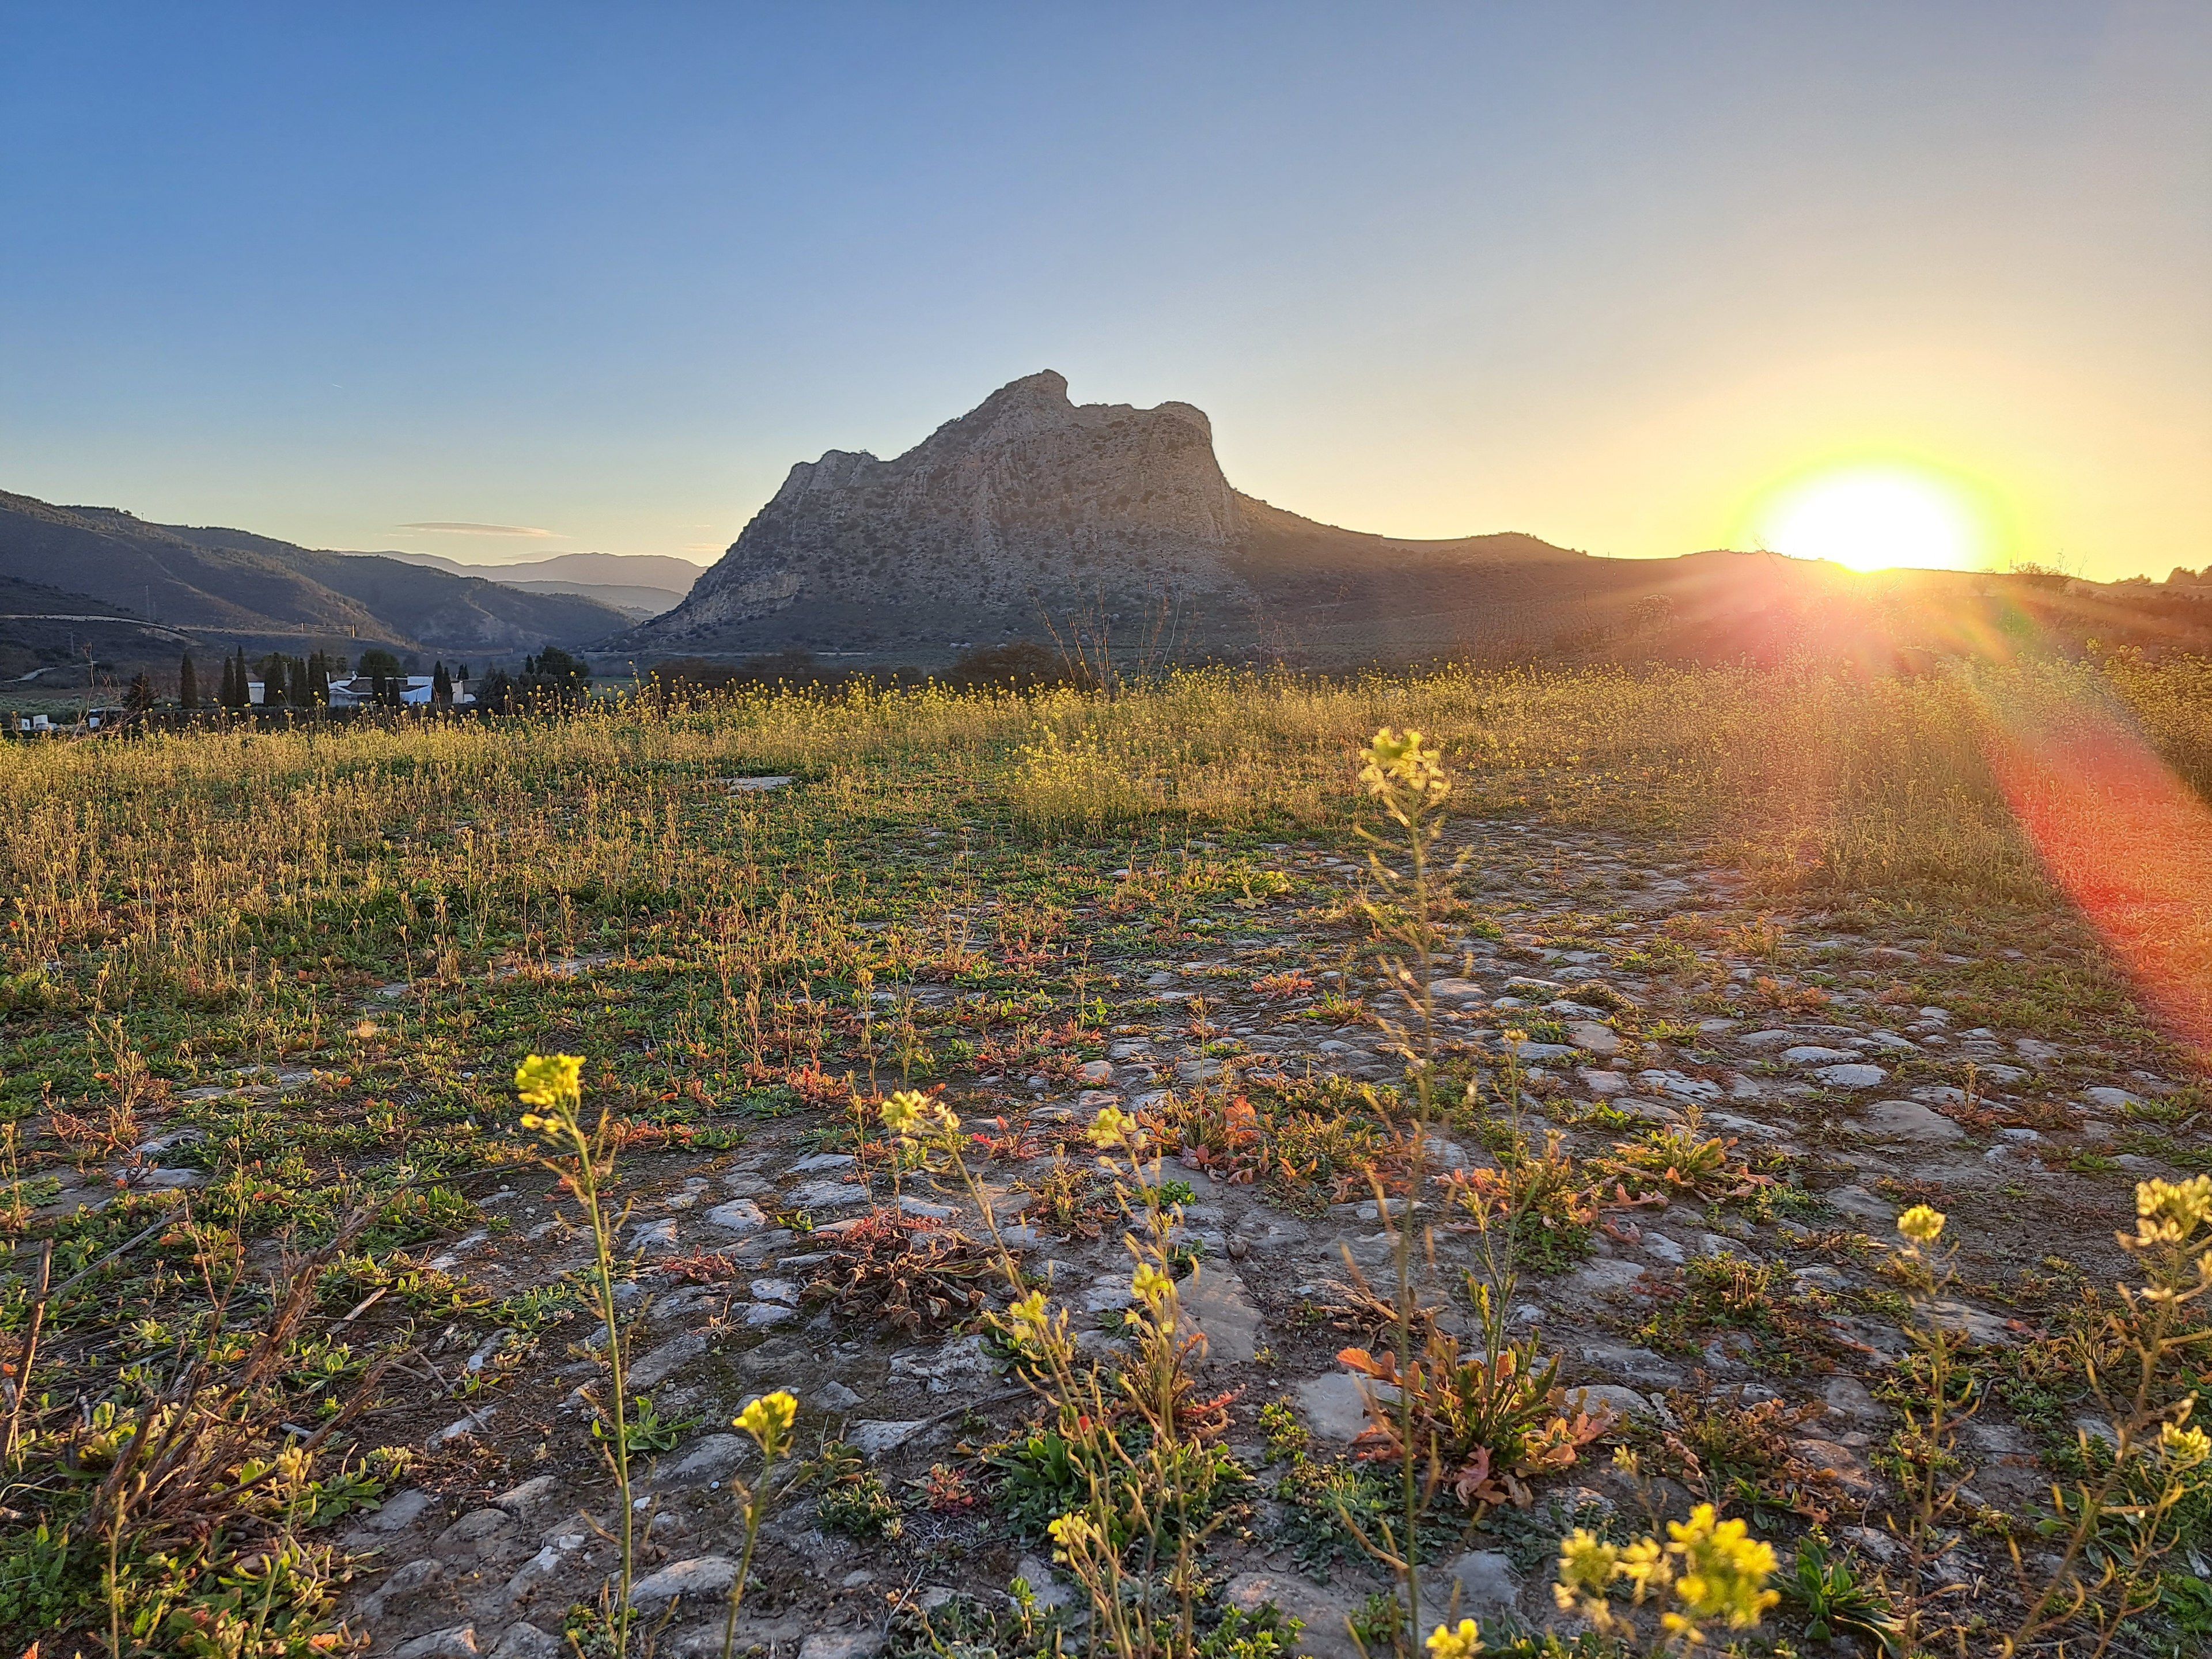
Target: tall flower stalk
x,y
1406,778
551,1086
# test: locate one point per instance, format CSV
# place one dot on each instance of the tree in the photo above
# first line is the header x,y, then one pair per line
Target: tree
x,y
442,686
378,663
297,692
242,684
553,678
188,683
318,678
140,697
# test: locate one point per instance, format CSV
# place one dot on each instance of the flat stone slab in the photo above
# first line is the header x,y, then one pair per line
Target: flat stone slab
x,y
874,1438
701,1576
1217,1304
1623,1402
1862,1205
1594,1037
1481,1585
1908,1119
829,1195
739,1215
1860,1076
1334,1406
1606,1273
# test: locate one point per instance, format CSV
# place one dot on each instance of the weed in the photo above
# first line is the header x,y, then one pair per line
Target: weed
x,y
914,1274
1485,1426
1287,1437
1835,1600
850,1497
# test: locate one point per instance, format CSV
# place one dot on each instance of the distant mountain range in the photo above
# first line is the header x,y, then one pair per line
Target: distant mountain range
x,y
236,585
641,585
1105,526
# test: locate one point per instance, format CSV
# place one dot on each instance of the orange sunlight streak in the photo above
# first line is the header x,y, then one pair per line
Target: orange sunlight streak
x,y
2130,844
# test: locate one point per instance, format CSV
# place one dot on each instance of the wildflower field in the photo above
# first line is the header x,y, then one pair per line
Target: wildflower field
x,y
1516,1162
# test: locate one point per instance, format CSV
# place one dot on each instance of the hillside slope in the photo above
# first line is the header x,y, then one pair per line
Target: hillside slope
x,y
236,583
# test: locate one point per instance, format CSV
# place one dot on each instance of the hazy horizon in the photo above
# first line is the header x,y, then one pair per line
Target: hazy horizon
x,y
503,283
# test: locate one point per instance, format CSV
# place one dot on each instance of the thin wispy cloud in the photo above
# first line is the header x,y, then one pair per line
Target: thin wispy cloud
x,y
459,527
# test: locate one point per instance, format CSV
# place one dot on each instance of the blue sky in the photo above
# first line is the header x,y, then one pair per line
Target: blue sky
x,y
1599,272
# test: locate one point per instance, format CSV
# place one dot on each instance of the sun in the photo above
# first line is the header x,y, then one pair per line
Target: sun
x,y
1874,517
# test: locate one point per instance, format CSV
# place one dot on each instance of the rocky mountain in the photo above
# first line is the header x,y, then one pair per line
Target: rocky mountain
x,y
1034,515
237,584
1029,501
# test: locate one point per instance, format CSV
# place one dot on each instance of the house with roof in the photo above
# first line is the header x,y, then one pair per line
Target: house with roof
x,y
359,691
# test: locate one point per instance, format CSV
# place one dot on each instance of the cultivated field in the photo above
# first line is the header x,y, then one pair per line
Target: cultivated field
x,y
1706,981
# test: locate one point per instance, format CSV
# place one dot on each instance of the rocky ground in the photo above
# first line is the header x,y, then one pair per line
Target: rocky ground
x,y
1864,1061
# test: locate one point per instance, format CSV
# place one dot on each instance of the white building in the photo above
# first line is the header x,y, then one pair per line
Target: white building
x,y
359,691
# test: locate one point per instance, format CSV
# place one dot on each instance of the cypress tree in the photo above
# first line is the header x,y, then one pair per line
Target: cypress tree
x,y
228,695
442,686
188,683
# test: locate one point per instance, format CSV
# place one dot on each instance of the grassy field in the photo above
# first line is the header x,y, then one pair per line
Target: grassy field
x,y
265,992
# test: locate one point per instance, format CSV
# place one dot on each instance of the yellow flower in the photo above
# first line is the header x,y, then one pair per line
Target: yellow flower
x,y
1030,1323
1722,1573
768,1419
2183,1449
548,1081
2170,1211
1150,1285
904,1110
1587,1565
1112,1127
1465,1643
1071,1534
1513,1036
1920,1224
910,1113
1397,760
1645,1565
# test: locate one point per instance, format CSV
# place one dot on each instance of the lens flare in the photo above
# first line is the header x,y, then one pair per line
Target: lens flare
x,y
2126,838
1874,517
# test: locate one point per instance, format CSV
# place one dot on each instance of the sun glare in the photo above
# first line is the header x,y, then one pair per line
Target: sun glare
x,y
1874,517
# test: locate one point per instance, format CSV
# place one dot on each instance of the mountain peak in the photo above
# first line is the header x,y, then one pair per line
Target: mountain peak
x,y
1047,385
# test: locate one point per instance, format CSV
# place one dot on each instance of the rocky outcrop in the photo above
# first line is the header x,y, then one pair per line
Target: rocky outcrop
x,y
1029,506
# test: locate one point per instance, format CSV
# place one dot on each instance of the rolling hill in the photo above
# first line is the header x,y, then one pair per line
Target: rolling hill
x,y
238,585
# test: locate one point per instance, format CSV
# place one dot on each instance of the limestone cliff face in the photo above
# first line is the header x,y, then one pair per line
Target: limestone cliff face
x,y
1029,506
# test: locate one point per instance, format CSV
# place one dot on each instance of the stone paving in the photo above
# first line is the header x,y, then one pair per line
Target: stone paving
x,y
1654,994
